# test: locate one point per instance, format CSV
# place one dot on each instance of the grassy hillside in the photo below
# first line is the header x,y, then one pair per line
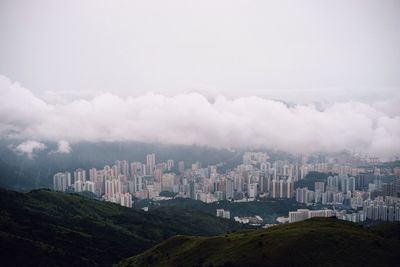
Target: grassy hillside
x,y
315,242
46,228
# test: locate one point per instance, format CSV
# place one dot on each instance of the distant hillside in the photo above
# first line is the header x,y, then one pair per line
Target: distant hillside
x,y
310,179
46,228
315,242
268,209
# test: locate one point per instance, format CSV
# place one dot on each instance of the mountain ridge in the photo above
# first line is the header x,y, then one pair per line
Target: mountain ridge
x,y
314,242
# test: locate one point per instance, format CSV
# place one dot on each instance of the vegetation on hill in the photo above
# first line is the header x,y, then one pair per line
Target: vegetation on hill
x,y
314,242
310,179
268,209
47,228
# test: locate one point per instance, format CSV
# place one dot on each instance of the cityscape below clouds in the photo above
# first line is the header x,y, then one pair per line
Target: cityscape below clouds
x,y
205,133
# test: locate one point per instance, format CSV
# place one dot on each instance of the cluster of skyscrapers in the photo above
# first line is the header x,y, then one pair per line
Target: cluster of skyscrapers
x,y
360,198
256,177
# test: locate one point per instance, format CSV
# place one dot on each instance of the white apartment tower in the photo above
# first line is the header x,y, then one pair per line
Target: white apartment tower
x,y
79,175
61,181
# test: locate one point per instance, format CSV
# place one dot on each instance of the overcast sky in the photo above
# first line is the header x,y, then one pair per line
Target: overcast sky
x,y
327,59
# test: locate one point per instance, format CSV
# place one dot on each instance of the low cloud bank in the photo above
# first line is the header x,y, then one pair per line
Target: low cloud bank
x,y
192,119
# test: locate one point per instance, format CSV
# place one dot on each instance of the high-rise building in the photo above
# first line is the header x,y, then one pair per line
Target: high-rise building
x,y
136,169
93,174
89,186
170,164
150,163
196,165
252,190
303,214
192,190
123,168
388,189
115,171
138,183
264,167
264,179
181,167
283,189
126,200
319,186
290,188
362,181
223,213
168,182
158,173
238,183
78,186
118,167
219,195
351,184
301,195
299,215
275,188
230,189
113,186
80,175
107,171
61,181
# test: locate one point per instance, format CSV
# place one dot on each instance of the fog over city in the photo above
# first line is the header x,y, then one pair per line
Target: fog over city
x,y
293,76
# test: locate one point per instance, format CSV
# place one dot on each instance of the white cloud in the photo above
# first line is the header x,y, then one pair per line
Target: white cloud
x,y
63,147
192,119
29,147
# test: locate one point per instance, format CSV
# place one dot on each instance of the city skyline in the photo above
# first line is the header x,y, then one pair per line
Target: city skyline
x,y
346,191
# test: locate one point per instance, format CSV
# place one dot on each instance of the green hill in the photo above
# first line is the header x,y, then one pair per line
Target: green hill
x,y
314,242
46,228
268,209
310,179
